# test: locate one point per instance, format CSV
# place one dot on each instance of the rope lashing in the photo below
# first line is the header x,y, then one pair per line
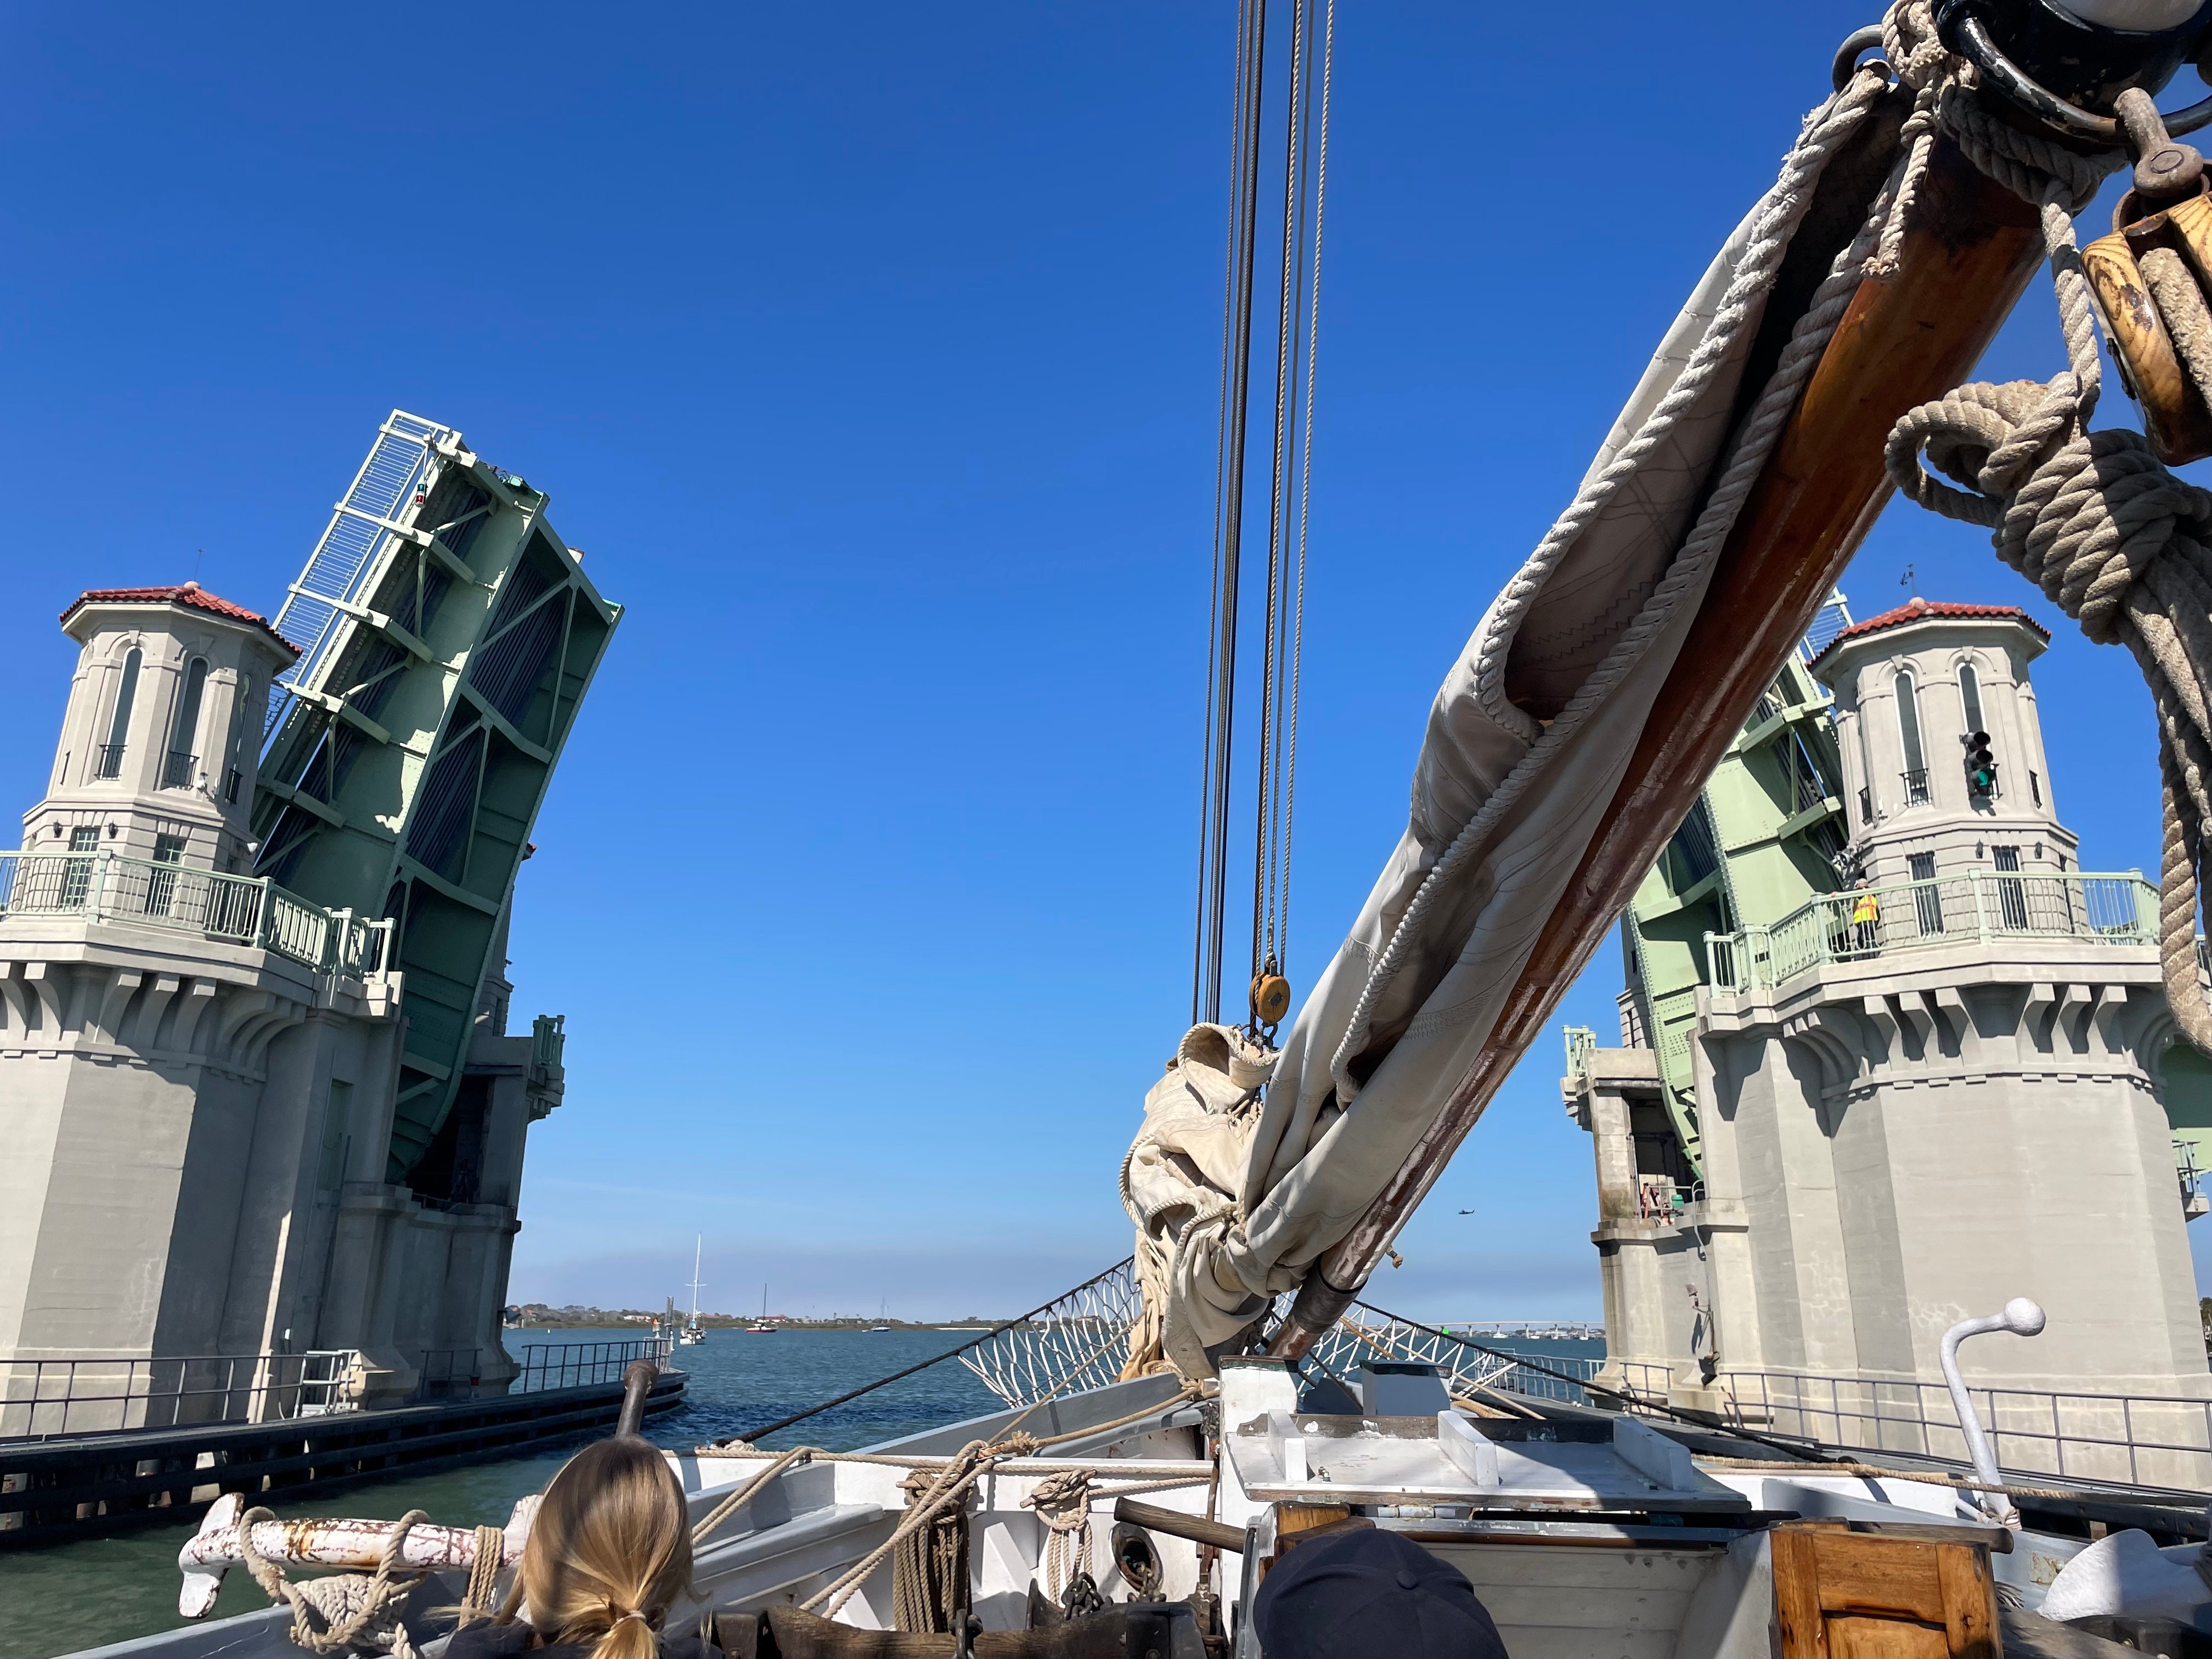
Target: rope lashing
x,y
954,1482
2098,523
483,1575
1062,1502
348,1610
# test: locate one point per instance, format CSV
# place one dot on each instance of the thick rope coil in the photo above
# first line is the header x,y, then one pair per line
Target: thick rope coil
x,y
345,1612
1063,1503
2109,536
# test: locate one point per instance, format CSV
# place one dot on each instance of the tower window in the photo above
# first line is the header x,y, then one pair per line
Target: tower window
x,y
110,763
1908,732
1970,696
184,731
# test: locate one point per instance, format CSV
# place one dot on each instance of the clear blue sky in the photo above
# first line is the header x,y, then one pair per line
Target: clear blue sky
x,y
871,353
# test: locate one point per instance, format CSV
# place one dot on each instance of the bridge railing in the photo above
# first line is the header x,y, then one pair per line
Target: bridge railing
x,y
49,1397
1978,906
250,910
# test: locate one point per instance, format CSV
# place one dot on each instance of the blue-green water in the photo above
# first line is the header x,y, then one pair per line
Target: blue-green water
x,y
82,1595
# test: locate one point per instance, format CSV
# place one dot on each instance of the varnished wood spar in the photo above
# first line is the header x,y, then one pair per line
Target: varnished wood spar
x,y
1968,254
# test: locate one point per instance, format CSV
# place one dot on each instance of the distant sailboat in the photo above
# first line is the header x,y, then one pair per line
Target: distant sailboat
x,y
761,1327
881,1312
693,1333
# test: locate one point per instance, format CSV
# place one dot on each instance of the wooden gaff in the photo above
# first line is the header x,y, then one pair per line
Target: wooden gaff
x,y
1968,256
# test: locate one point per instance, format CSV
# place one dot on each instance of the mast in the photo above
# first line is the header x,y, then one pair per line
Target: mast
x,y
698,1243
1968,253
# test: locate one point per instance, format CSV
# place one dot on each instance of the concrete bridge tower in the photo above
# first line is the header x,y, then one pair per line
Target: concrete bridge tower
x,y
1937,1087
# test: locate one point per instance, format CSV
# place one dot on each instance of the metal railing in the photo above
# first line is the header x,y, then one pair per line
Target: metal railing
x,y
2140,1439
1978,906
1582,1044
49,1397
110,763
548,1038
1915,788
574,1365
148,893
177,769
338,571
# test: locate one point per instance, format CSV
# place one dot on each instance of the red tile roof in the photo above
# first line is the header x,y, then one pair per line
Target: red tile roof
x,y
189,594
1918,610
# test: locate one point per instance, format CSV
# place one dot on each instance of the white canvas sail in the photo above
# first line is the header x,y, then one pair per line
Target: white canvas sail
x,y
1237,1197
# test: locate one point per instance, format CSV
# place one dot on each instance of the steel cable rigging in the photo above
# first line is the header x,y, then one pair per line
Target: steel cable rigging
x,y
1273,736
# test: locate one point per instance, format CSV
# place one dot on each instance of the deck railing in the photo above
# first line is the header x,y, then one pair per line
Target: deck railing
x,y
1976,906
250,910
2142,1440
41,1398
572,1364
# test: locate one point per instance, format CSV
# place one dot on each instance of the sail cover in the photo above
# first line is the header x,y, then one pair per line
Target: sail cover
x,y
1251,1164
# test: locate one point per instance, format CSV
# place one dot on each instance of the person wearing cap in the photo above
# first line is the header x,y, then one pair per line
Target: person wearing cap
x,y
1366,1592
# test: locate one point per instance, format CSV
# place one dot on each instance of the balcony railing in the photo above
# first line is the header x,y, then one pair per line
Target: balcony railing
x,y
235,909
1915,788
548,1038
1977,906
177,769
110,762
42,1397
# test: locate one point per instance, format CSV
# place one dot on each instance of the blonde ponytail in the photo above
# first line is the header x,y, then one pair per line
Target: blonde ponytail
x,y
609,1551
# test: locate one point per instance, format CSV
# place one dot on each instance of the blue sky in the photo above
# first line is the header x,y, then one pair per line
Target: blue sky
x,y
871,353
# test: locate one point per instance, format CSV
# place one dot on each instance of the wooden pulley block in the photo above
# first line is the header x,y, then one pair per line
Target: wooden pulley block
x,y
1271,998
2150,277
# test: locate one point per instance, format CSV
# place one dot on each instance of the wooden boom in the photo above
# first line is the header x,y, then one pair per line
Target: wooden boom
x,y
1969,251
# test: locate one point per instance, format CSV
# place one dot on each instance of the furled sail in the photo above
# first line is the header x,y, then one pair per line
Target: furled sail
x,y
1236,1191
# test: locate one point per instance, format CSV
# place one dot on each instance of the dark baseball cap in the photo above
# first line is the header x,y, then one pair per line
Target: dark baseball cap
x,y
1371,1593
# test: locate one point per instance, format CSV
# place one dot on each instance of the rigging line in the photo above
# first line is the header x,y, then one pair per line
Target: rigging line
x,y
1286,319
1305,473
1277,942
1233,509
1213,642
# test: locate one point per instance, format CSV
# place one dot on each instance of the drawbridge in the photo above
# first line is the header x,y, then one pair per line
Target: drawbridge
x,y
447,637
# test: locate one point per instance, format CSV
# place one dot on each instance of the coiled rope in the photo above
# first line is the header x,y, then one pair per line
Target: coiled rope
x,y
2094,519
345,1611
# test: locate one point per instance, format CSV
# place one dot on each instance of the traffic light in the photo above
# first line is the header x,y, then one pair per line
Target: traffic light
x,y
1981,764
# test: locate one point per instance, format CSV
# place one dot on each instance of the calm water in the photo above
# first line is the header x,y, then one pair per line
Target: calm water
x,y
59,1599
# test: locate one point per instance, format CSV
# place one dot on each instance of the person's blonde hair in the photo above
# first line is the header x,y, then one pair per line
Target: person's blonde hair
x,y
610,1552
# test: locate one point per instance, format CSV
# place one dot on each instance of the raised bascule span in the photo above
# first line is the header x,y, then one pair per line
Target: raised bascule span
x,y
448,636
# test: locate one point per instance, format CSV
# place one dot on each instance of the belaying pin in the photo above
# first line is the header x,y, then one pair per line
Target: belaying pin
x,y
1271,998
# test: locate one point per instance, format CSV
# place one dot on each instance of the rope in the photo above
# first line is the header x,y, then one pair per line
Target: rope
x,y
1062,1502
344,1610
483,1575
1305,484
953,1483
2112,537
1779,213
929,1568
1228,512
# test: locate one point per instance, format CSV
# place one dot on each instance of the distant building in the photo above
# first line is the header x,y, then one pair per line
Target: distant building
x,y
261,1098
1889,1058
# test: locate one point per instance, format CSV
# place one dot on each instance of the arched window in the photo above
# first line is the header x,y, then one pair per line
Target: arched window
x,y
1970,698
1908,732
110,763
184,733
